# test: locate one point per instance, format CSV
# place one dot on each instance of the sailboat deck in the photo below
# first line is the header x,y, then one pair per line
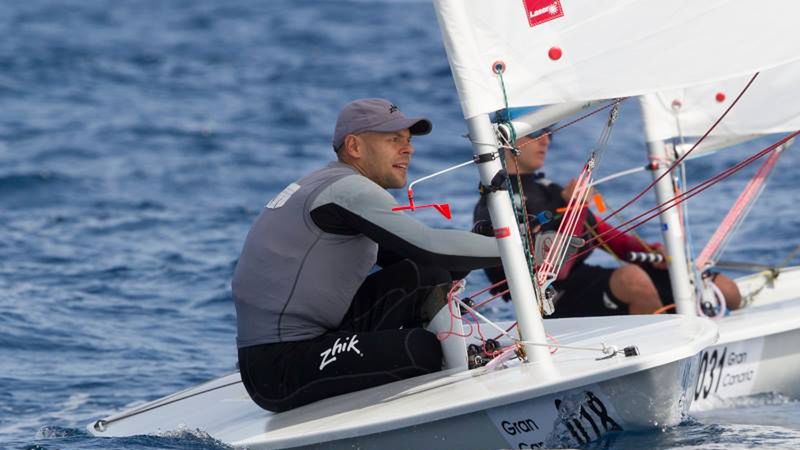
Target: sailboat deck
x,y
660,340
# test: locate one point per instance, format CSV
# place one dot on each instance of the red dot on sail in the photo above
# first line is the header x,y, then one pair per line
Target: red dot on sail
x,y
720,97
554,53
676,104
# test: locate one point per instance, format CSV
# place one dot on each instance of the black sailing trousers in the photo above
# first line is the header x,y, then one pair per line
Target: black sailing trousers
x,y
380,340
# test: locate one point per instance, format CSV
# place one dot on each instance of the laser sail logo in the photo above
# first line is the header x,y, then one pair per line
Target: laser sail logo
x,y
339,346
541,11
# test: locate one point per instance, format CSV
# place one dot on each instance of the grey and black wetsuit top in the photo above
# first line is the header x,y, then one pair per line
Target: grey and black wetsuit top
x,y
314,244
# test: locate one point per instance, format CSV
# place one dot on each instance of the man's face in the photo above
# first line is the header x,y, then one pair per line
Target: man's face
x,y
385,157
533,153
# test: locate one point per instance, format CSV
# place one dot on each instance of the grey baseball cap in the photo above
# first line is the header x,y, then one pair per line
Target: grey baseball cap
x,y
375,114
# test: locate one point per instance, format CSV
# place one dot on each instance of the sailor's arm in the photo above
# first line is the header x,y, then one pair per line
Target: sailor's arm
x,y
354,204
620,243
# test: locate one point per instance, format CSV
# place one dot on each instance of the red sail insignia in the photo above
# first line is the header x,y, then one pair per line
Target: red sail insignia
x,y
541,11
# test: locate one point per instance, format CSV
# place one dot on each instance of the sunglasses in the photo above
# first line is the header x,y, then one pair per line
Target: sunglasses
x,y
542,132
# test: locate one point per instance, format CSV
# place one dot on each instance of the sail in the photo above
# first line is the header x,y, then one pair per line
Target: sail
x,y
770,105
558,51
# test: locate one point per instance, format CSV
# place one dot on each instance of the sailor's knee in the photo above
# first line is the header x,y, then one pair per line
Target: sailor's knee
x,y
730,290
433,276
630,277
424,349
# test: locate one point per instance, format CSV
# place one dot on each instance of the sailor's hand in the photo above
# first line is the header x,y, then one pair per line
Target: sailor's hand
x,y
566,193
658,248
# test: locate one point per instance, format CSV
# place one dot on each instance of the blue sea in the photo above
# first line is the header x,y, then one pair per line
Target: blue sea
x,y
139,140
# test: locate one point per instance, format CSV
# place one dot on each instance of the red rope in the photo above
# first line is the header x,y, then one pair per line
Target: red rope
x,y
737,212
568,124
450,303
679,160
615,102
490,299
671,203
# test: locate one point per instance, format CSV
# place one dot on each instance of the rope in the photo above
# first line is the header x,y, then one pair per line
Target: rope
x,y
520,210
789,257
452,300
556,255
737,213
524,204
688,152
597,236
643,217
770,275
604,349
455,288
710,182
573,122
602,241
664,309
558,249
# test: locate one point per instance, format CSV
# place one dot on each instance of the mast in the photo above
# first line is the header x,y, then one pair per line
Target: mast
x,y
672,233
671,227
576,55
523,297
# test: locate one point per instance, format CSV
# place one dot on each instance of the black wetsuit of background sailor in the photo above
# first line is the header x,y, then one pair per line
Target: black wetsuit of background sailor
x,y
312,321
586,291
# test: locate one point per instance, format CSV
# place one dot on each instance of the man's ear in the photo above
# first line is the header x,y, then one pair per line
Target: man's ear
x,y
352,146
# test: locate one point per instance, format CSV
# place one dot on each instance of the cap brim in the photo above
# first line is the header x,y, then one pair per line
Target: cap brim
x,y
417,126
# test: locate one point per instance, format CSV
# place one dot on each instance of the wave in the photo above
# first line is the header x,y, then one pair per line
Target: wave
x,y
21,182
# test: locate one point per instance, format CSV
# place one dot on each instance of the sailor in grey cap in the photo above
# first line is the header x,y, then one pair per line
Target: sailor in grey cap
x,y
332,286
374,136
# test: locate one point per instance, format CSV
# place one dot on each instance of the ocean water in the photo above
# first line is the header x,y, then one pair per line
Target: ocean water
x,y
138,141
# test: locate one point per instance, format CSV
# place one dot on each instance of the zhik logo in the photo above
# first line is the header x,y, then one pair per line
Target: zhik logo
x,y
347,345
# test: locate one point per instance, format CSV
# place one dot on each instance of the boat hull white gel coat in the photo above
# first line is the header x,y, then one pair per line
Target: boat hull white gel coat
x,y
759,347
504,407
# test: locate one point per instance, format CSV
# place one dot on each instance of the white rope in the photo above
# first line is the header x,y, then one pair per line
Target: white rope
x,y
604,349
634,170
485,319
554,260
436,174
621,174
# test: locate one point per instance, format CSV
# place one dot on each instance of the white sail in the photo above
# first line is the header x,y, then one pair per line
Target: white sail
x,y
770,105
559,51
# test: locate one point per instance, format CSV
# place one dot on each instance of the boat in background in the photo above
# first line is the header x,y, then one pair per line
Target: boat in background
x,y
759,347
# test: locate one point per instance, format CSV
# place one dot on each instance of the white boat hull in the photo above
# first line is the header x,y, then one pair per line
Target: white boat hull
x,y
759,347
575,399
583,415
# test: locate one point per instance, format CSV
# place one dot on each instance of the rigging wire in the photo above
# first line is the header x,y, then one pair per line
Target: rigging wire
x,y
770,274
649,214
735,217
521,215
556,255
604,348
683,213
688,152
611,104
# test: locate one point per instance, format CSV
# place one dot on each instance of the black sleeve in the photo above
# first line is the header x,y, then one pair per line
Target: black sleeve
x,y
356,205
387,257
